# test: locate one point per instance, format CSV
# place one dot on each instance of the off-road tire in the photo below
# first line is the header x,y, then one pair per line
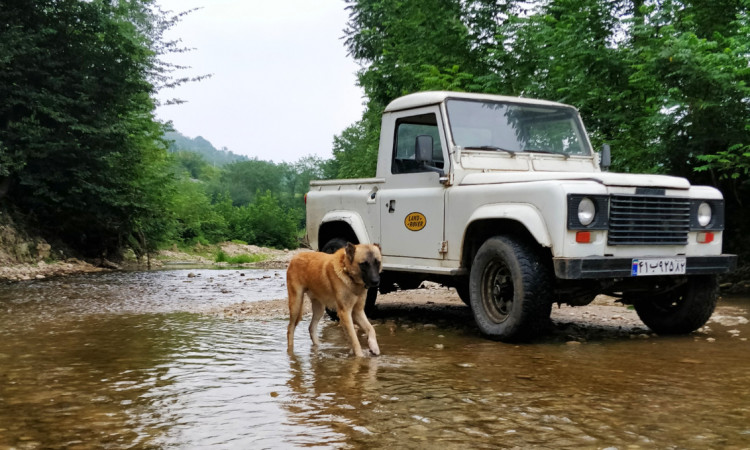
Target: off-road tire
x,y
372,294
683,310
511,290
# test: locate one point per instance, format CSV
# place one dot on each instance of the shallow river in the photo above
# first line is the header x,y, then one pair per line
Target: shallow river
x,y
127,360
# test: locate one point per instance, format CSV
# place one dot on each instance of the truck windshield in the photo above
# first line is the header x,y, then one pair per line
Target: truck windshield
x,y
515,127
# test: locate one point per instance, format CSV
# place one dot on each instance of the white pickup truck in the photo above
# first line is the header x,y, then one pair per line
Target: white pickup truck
x,y
504,199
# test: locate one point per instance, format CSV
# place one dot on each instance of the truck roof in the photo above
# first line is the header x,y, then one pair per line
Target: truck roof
x,y
435,97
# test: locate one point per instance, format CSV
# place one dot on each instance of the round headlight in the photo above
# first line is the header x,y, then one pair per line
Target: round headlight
x,y
704,214
586,211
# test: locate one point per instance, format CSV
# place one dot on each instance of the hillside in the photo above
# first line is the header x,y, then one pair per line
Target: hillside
x,y
180,142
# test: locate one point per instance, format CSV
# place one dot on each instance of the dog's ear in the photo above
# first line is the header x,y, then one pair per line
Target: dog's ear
x,y
350,250
378,246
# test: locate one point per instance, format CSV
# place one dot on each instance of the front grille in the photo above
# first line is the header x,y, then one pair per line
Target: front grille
x,y
648,220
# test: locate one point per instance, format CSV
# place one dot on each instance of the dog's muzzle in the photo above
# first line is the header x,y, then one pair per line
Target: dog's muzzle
x,y
372,282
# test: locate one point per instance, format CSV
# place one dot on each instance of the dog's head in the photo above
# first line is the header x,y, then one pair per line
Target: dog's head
x,y
365,263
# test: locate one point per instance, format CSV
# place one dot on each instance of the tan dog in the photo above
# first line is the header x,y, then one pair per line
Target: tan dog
x,y
336,281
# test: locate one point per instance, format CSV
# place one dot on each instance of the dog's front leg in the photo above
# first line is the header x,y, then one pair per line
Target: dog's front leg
x,y
372,341
345,316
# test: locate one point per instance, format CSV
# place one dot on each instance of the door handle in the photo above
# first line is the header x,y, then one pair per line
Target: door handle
x,y
391,205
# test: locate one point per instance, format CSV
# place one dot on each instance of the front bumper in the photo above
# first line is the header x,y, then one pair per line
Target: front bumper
x,y
610,267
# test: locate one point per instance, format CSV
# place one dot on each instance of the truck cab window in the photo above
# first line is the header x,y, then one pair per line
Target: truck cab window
x,y
404,151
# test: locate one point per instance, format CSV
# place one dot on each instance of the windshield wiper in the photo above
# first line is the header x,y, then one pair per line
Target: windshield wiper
x,y
546,152
491,147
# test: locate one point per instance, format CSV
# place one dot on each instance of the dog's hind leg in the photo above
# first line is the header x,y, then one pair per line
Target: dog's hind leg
x,y
296,301
317,312
345,316
361,319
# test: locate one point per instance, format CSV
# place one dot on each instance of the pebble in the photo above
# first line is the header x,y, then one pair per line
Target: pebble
x,y
573,343
439,346
710,339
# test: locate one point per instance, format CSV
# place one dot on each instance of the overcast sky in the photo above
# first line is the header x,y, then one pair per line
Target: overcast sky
x,y
281,86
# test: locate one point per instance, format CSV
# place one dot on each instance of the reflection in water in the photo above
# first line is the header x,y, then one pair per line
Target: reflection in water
x,y
116,362
666,392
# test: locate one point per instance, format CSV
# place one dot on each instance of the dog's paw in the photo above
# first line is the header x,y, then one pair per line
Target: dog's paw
x,y
373,345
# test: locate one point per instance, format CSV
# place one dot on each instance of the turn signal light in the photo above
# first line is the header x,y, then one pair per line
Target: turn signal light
x,y
583,237
705,237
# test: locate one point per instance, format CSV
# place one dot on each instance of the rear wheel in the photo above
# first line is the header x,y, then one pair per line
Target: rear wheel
x,y
464,293
372,294
510,290
682,310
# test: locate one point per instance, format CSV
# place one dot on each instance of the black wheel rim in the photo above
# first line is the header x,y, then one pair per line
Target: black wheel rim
x,y
497,291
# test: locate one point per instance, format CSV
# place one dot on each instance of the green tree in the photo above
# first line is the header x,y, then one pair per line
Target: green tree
x,y
397,42
81,154
243,179
270,224
197,219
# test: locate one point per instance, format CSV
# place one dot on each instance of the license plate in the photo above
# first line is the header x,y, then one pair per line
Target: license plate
x,y
658,266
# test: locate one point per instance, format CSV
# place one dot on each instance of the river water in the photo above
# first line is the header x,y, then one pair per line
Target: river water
x,y
128,360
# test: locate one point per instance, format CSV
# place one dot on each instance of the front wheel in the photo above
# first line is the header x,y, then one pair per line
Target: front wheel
x,y
510,290
682,310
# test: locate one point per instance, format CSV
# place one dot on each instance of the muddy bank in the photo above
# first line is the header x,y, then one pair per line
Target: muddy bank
x,y
42,270
436,306
39,265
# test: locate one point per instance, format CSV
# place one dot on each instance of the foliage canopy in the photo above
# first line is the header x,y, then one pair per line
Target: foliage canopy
x,y
666,83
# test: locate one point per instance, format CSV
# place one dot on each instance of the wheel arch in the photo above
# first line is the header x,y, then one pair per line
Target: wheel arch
x,y
529,228
342,224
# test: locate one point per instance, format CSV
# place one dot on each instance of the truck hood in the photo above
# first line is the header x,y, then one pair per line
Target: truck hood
x,y
605,178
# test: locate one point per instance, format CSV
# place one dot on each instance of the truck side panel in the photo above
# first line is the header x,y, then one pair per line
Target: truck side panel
x,y
354,203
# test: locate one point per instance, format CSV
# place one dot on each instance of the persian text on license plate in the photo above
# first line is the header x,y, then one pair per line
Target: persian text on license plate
x,y
658,266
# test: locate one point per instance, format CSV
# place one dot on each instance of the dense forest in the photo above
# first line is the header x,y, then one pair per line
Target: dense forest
x,y
83,160
85,163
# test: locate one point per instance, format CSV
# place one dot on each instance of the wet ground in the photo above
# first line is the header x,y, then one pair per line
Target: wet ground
x,y
128,360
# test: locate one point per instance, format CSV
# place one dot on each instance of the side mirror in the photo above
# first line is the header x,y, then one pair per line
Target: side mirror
x,y
423,149
606,158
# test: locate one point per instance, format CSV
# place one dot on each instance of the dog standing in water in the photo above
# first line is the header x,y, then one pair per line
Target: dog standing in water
x,y
336,281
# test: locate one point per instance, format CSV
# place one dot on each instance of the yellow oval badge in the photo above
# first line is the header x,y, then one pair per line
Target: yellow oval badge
x,y
415,221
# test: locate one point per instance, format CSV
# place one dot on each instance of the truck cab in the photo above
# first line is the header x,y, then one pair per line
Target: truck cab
x,y
505,199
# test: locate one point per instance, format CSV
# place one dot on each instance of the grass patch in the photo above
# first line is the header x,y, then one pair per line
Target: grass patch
x,y
222,257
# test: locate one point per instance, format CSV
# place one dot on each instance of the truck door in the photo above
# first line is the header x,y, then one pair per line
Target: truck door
x,y
413,204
